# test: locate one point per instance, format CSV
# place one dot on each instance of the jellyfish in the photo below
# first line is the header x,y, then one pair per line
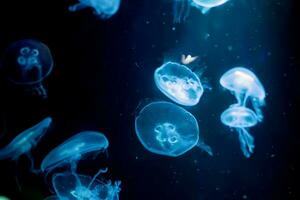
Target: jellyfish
x,y
26,64
77,186
167,129
245,85
3,198
72,150
241,118
25,141
182,7
102,8
178,83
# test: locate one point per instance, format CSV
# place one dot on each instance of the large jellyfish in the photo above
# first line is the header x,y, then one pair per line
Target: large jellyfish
x,y
241,118
26,64
167,129
73,149
77,186
25,141
182,7
102,8
244,84
179,83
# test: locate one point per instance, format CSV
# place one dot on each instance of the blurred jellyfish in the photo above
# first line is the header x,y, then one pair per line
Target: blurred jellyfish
x,y
102,8
179,83
244,84
188,59
73,149
26,64
182,7
3,198
25,141
241,118
77,186
167,129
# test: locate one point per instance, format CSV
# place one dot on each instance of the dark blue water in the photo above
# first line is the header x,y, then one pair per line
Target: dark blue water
x,y
104,69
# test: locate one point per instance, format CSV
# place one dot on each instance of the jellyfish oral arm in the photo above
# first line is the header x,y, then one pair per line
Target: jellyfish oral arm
x,y
246,142
78,6
205,147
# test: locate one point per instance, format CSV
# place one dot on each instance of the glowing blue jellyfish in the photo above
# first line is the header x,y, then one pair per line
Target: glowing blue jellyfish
x,y
241,118
26,64
182,7
25,141
178,83
77,186
167,129
73,149
102,8
245,85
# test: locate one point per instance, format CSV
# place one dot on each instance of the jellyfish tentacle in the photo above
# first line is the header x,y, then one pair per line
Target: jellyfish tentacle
x,y
205,148
256,105
181,10
246,141
101,171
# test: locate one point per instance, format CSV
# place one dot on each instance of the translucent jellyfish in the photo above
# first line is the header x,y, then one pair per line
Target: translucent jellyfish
x,y
3,198
182,7
102,8
77,186
244,84
241,118
179,83
26,64
25,141
167,129
72,150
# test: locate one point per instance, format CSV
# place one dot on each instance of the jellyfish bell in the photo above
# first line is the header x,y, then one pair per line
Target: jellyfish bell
x,y
241,118
25,141
245,84
78,186
26,63
167,129
178,83
72,150
102,8
206,5
181,8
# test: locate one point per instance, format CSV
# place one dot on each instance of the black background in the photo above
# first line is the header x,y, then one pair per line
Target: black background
x,y
104,69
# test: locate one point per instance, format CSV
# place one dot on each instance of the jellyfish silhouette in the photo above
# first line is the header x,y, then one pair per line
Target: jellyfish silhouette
x,y
25,141
178,83
167,129
244,84
182,7
72,150
241,118
77,186
102,8
26,64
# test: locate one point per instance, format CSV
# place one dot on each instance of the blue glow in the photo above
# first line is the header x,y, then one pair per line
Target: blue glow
x,y
178,83
182,7
102,8
241,118
78,186
25,141
167,129
74,148
245,85
27,63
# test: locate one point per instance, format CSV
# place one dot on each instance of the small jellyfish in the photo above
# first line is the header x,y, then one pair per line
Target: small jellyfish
x,y
102,8
25,141
179,83
182,7
70,151
244,84
26,64
78,186
188,59
167,129
241,118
